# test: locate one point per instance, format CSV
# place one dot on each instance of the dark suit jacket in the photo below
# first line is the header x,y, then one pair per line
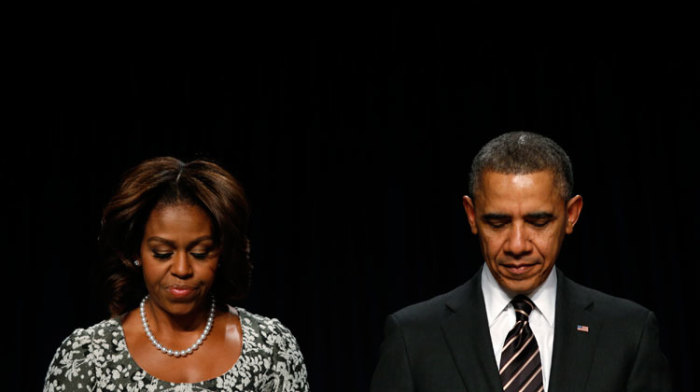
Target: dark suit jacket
x,y
444,344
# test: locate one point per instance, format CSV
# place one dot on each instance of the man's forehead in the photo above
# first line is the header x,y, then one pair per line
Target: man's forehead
x,y
527,192
546,178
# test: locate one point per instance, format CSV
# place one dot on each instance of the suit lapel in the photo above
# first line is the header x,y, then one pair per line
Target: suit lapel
x,y
575,333
467,335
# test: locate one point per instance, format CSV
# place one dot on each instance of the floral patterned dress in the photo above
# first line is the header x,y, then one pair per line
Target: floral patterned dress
x,y
97,359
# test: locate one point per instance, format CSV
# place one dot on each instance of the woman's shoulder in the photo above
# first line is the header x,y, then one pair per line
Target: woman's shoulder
x,y
104,334
260,322
81,354
269,344
260,330
91,343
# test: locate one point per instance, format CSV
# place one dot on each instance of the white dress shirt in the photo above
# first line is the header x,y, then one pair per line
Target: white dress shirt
x,y
501,316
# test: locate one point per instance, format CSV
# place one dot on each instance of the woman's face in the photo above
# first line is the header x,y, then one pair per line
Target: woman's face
x,y
179,258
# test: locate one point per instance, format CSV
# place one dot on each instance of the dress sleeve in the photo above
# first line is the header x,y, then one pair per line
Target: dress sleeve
x,y
287,372
72,367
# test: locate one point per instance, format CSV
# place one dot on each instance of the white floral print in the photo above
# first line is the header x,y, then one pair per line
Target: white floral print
x,y
97,359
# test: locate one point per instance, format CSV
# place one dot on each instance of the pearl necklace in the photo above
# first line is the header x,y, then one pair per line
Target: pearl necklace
x,y
176,353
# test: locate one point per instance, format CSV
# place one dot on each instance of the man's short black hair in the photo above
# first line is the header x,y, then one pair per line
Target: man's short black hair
x,y
522,153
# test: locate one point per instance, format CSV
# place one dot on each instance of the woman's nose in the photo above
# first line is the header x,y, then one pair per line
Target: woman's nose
x,y
182,266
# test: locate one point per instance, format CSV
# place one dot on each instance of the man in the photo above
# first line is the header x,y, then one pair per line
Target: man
x,y
520,324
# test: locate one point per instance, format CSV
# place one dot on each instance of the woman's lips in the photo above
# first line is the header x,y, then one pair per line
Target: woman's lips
x,y
181,291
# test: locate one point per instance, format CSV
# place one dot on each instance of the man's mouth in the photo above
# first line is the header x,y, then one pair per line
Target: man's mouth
x,y
518,268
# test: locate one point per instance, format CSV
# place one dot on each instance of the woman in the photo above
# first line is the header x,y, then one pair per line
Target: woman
x,y
176,256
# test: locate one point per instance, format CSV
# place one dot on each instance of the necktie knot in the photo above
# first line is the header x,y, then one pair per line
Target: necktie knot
x,y
523,306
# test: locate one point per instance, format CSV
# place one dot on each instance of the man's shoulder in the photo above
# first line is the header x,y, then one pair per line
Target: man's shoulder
x,y
602,302
432,309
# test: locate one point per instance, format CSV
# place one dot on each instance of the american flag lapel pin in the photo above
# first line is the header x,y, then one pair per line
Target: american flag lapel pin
x,y
582,328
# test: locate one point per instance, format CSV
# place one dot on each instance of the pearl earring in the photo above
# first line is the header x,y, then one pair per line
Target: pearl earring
x,y
137,263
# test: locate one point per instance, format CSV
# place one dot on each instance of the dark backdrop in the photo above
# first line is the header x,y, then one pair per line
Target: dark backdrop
x,y
352,135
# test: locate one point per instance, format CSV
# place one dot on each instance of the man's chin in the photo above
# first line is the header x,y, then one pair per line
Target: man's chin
x,y
519,284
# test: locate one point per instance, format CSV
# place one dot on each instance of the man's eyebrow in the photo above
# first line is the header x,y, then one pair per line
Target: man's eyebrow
x,y
495,216
539,215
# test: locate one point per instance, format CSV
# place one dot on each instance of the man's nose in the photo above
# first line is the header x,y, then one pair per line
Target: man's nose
x,y
518,241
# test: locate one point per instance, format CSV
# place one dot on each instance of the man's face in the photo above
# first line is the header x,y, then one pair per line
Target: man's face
x,y
521,221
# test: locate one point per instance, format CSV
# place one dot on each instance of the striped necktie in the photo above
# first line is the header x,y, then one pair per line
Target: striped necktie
x,y
521,368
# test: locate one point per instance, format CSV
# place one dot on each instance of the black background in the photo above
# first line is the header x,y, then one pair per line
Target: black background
x,y
352,134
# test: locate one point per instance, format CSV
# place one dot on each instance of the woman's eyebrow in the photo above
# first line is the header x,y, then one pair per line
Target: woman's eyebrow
x,y
197,240
172,244
161,239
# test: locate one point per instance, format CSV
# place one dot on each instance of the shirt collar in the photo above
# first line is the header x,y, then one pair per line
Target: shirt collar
x,y
496,300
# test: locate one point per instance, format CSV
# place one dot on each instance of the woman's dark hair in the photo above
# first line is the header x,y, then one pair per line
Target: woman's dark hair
x,y
166,181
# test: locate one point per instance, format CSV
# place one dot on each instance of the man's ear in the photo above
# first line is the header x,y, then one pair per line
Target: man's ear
x,y
468,204
573,211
